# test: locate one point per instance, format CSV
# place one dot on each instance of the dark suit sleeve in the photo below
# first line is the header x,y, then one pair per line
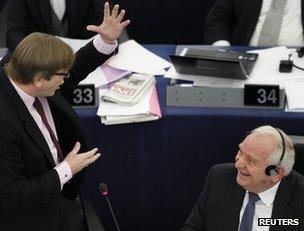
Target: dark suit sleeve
x,y
19,24
2,3
16,191
87,60
220,22
196,220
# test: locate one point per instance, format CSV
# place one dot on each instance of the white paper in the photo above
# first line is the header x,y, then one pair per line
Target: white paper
x,y
134,57
199,80
100,79
295,94
266,70
75,44
127,119
96,77
112,109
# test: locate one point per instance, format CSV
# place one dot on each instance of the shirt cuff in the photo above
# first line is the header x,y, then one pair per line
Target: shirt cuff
x,y
221,43
103,47
64,172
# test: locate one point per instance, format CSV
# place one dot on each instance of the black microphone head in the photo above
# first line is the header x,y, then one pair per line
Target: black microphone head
x,y
103,189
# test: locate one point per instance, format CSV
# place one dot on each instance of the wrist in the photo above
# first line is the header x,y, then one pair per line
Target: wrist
x,y
107,41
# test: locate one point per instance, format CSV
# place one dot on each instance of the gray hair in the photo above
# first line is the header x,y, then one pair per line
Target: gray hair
x,y
289,157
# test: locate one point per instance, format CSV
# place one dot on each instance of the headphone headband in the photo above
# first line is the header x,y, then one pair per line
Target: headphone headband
x,y
271,170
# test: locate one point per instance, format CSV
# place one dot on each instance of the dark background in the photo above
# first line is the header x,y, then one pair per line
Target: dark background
x,y
159,21
166,21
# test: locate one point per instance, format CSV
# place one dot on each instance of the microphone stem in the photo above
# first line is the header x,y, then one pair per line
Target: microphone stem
x,y
108,201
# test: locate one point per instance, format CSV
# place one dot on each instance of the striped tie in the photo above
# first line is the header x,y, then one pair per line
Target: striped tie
x,y
270,31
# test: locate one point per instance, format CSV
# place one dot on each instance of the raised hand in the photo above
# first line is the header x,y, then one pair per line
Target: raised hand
x,y
112,24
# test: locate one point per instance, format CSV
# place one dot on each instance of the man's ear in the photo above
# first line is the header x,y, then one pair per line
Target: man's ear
x,y
38,80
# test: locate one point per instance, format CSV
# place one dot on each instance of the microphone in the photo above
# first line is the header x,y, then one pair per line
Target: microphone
x,y
103,189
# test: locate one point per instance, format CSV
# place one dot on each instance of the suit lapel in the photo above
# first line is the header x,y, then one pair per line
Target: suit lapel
x,y
29,123
71,14
281,208
46,13
232,208
253,9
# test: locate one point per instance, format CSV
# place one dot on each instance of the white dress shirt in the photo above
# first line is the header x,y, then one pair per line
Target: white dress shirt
x,y
263,207
59,7
291,33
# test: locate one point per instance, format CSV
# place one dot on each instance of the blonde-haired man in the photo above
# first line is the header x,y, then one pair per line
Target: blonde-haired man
x,y
42,147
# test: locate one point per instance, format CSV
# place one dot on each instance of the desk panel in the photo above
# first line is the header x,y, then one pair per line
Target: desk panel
x,y
155,170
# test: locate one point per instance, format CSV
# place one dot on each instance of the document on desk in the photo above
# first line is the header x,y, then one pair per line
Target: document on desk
x,y
295,95
146,109
104,75
134,57
266,70
129,90
131,56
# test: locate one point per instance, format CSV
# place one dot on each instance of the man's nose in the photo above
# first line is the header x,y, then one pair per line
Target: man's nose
x,y
239,162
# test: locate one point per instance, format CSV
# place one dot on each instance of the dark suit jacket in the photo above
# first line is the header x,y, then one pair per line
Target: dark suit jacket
x,y
2,3
28,16
30,196
234,21
220,203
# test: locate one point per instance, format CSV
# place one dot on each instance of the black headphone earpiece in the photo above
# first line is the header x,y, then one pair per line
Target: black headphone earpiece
x,y
300,52
272,170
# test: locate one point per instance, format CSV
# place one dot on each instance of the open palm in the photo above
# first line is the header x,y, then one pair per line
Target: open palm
x,y
112,24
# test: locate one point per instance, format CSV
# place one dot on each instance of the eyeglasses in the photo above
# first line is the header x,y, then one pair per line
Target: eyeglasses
x,y
65,75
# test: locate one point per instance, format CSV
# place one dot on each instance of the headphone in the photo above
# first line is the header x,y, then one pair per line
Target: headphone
x,y
271,170
300,52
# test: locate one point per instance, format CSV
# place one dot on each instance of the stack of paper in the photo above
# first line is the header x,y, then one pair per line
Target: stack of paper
x,y
146,109
135,105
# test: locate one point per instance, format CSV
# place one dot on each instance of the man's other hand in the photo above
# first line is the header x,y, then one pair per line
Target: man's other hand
x,y
78,161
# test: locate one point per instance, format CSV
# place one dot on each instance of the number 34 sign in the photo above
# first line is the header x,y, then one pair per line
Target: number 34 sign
x,y
84,96
262,95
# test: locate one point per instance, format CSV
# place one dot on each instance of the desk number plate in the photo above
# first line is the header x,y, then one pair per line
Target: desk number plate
x,y
262,95
84,96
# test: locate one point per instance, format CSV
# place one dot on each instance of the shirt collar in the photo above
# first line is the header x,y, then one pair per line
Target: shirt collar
x,y
267,197
26,98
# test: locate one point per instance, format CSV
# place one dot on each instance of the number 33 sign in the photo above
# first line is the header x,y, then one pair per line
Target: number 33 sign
x,y
84,96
